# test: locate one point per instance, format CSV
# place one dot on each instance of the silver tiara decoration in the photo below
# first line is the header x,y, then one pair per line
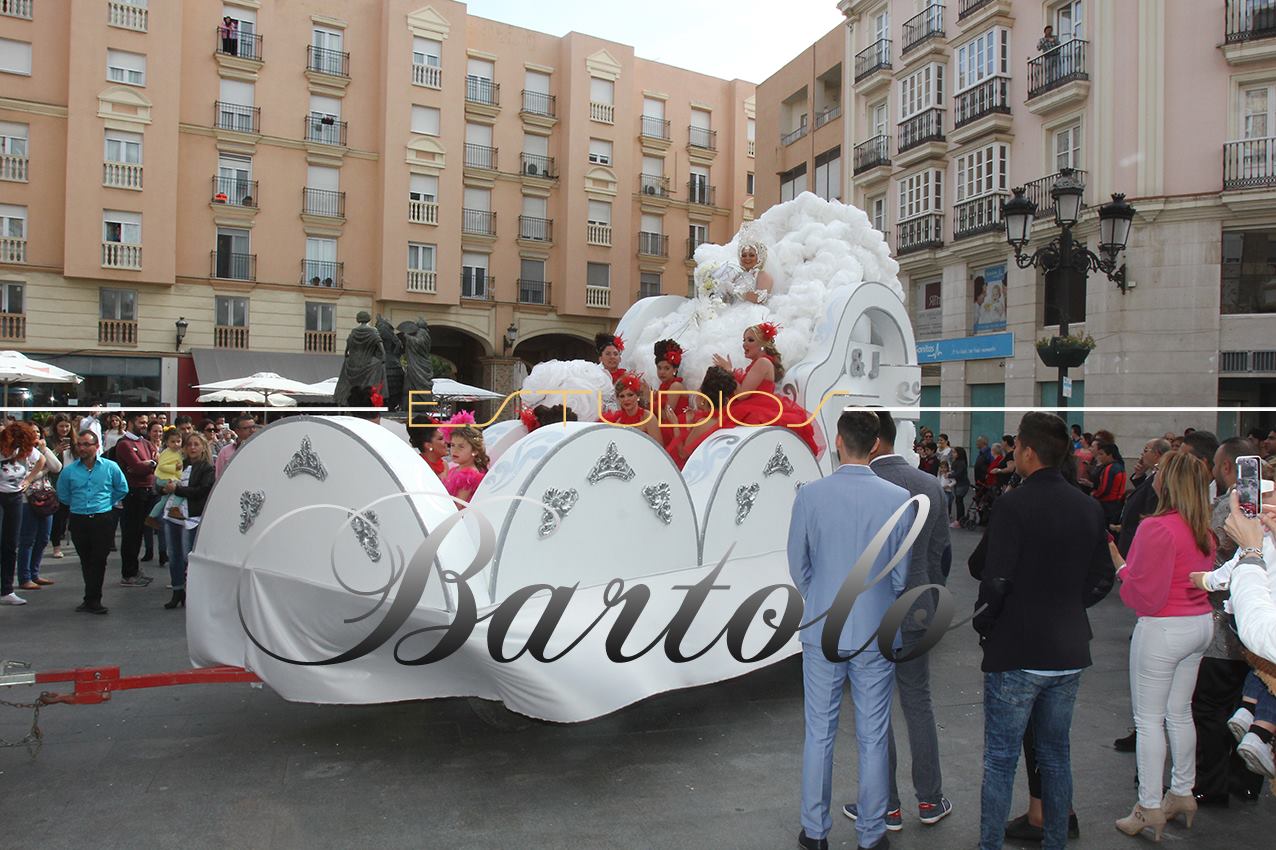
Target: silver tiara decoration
x,y
658,499
779,463
610,465
749,237
307,462
250,504
558,502
745,496
365,527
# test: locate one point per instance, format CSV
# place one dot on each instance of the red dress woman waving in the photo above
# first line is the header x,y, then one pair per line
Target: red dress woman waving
x,y
756,402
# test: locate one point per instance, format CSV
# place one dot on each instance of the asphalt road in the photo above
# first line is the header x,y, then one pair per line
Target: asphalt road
x,y
235,766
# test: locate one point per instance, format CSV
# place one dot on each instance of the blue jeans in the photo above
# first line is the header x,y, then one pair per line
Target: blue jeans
x,y
872,680
1012,700
33,536
180,541
1254,689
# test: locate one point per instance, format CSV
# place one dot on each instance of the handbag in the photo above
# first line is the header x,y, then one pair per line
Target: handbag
x,y
43,500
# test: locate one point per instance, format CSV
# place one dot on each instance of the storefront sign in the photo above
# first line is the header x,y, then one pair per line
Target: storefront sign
x,y
988,347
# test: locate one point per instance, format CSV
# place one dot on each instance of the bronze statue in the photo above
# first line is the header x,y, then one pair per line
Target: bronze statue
x,y
393,391
364,363
418,373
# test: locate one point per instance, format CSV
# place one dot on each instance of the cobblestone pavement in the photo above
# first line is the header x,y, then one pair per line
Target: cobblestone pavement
x,y
234,766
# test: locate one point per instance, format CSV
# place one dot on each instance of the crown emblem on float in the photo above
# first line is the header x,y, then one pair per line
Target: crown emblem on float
x,y
306,462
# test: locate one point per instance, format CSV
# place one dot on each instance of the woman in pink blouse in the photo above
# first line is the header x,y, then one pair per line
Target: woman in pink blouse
x,y
1173,632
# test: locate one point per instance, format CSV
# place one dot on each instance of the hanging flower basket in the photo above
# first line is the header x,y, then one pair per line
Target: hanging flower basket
x,y
1068,351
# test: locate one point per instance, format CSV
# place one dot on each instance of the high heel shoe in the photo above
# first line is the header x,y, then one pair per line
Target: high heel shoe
x,y
1173,805
179,599
1140,819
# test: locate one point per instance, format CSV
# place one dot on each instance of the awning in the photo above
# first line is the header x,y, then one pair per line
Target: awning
x,y
223,364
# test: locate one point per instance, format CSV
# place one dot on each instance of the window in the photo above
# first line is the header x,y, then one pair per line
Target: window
x,y
323,177
748,183
479,85
426,51
128,68
982,172
793,183
235,106
877,212
321,267
479,152
698,234
325,120
648,284
984,56
532,270
599,212
653,107
117,305
1069,22
234,179
600,151
652,223
326,57
879,117
13,222
602,91
921,90
233,259
420,257
882,25
478,199
597,274
474,276
123,147
750,129
424,188
425,120
320,317
13,139
15,57
653,166
12,298
701,128
1249,272
921,193
828,175
232,311
1067,147
699,186
121,226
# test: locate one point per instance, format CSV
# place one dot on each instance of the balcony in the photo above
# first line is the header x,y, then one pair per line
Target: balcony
x,y
13,168
423,280
482,91
323,202
116,332
598,233
535,292
477,287
1249,164
230,336
121,255
423,212
919,234
16,9
1058,77
872,154
925,127
13,327
991,97
1249,30
539,103
321,342
535,229
653,184
979,215
692,244
965,8
236,117
325,130
1038,191
235,192
792,136
703,138
652,244
598,296
332,63
832,113
225,265
430,76
126,16
326,274
480,156
654,128
242,45
478,222
535,165
603,113
700,193
13,249
122,175
922,27
876,57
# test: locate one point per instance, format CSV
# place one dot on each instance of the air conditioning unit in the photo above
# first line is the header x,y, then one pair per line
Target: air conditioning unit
x,y
531,169
650,190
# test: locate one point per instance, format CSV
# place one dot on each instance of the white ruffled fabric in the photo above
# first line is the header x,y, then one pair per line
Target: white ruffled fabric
x,y
545,378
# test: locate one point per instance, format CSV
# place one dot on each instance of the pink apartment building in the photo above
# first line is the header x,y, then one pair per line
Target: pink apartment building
x,y
926,114
262,170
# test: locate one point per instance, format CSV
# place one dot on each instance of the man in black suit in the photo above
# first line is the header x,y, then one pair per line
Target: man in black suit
x,y
1048,560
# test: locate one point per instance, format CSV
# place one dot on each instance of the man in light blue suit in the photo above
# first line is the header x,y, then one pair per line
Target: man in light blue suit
x,y
833,521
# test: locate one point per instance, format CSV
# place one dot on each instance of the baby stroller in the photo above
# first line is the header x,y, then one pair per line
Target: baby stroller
x,y
980,508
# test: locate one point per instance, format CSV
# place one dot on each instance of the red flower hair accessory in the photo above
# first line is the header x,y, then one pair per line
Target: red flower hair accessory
x,y
631,382
619,342
673,357
768,330
529,419
375,397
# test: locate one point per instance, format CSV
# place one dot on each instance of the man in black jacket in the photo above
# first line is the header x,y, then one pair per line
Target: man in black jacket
x,y
1048,560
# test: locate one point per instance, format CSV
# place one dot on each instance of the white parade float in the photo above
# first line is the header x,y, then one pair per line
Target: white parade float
x,y
309,568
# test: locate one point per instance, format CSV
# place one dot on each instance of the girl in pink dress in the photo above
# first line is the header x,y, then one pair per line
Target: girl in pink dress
x,y
756,402
471,462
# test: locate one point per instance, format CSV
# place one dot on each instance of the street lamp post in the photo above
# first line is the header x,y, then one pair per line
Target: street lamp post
x,y
1063,255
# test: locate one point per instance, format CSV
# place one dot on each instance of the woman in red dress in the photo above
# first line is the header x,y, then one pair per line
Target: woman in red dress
x,y
631,413
719,385
609,348
426,437
756,402
673,406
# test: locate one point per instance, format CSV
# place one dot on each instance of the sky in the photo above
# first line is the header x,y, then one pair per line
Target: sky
x,y
745,39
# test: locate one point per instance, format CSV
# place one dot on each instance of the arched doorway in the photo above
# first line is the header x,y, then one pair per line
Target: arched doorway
x,y
460,350
554,346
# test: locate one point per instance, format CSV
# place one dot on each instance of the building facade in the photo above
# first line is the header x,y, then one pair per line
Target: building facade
x,y
944,108
264,170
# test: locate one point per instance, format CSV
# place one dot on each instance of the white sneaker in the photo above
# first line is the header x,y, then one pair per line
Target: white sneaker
x,y
12,599
1240,722
1256,753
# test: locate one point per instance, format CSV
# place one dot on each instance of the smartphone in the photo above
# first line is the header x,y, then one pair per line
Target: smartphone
x,y
1249,484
